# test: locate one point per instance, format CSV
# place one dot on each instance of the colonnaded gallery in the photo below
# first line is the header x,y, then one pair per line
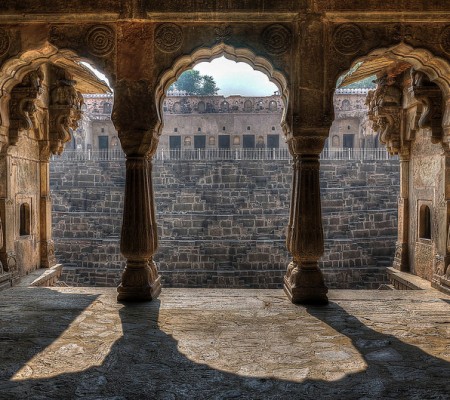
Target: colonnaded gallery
x,y
304,47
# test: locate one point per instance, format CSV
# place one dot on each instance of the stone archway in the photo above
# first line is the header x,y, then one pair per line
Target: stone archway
x,y
245,55
40,103
224,265
411,110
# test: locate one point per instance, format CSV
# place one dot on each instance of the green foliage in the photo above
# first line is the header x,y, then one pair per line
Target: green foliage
x,y
193,83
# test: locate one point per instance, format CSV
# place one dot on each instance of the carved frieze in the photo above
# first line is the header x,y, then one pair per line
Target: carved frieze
x,y
223,34
5,42
100,40
444,39
22,104
168,37
348,39
276,39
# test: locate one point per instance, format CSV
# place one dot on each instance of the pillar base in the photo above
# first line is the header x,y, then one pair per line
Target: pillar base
x,y
139,293
305,285
140,282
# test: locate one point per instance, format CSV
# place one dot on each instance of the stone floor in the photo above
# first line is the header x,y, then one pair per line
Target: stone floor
x,y
78,343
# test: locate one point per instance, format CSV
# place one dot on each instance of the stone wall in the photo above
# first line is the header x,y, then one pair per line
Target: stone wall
x,y
222,223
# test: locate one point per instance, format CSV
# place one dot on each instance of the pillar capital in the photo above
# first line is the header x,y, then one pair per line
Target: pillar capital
x,y
310,143
135,117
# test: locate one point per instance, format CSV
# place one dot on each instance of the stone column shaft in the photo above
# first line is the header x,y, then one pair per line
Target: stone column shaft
x,y
139,239
303,282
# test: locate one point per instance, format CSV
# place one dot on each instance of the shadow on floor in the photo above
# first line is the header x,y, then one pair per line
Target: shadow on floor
x,y
145,363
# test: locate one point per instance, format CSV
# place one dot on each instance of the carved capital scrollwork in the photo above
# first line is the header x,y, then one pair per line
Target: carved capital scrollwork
x,y
312,145
135,117
430,97
385,111
64,112
22,104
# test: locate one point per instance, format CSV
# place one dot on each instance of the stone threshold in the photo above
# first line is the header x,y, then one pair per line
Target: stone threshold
x,y
406,281
43,277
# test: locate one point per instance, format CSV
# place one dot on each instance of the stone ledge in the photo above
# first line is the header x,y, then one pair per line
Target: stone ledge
x,y
42,277
406,281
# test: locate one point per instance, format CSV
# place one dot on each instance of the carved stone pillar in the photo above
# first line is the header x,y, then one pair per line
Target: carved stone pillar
x,y
401,247
135,118
47,246
303,282
139,240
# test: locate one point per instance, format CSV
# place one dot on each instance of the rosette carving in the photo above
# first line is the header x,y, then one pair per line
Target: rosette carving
x,y
168,38
276,39
347,39
100,40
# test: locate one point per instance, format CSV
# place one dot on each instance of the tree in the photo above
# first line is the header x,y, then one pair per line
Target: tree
x,y
209,87
193,83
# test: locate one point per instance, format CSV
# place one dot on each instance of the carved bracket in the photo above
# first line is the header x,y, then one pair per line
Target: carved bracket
x,y
430,96
64,112
385,111
22,104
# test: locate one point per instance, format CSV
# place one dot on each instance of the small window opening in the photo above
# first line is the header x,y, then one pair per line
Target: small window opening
x,y
175,129
425,222
25,219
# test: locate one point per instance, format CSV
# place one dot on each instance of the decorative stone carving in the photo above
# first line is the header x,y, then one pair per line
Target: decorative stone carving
x,y
100,40
5,42
385,110
439,265
401,32
430,96
22,104
444,39
276,39
168,37
11,262
348,39
223,33
64,110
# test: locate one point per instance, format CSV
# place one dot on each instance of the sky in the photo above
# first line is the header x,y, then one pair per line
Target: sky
x,y
236,78
231,77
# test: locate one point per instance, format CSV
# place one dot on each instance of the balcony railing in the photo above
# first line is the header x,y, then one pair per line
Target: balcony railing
x,y
332,153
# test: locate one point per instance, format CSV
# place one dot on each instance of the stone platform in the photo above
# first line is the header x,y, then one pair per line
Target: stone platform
x,y
79,343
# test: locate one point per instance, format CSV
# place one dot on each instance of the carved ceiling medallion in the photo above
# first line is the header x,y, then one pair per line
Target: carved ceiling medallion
x,y
276,39
100,40
4,42
168,38
347,39
445,40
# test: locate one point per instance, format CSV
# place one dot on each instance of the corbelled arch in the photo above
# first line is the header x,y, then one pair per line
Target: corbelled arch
x,y
206,54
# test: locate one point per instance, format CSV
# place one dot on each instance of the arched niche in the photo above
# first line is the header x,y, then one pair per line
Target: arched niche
x,y
258,63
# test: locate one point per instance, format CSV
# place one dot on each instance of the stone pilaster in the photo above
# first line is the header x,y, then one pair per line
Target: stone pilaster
x,y
303,282
47,246
135,118
401,247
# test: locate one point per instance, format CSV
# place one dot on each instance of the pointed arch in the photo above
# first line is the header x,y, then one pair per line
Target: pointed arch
x,y
258,63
